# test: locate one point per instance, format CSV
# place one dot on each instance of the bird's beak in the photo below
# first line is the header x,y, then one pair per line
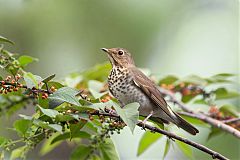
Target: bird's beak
x,y
105,50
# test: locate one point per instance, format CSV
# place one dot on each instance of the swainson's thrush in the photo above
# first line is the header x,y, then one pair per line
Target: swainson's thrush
x,y
128,84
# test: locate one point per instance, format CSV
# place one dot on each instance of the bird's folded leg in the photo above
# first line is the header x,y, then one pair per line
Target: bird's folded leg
x,y
145,120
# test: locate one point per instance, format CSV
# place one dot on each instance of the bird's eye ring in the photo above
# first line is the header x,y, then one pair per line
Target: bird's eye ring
x,y
120,52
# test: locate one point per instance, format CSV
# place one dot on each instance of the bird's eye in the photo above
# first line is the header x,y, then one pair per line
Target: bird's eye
x,y
120,52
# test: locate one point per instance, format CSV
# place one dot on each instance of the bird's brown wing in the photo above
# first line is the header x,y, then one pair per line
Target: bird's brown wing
x,y
150,89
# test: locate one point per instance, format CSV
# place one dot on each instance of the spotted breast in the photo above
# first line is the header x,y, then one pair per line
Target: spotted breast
x,y
122,87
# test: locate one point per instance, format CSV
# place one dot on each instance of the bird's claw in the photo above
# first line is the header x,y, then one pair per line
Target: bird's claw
x,y
144,125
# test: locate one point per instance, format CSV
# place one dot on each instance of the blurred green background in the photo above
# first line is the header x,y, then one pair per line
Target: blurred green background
x,y
178,37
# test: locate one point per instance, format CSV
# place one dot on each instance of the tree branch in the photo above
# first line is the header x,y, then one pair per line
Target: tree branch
x,y
184,140
169,135
201,116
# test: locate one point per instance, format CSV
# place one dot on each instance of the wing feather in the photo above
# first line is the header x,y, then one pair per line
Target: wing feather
x,y
150,89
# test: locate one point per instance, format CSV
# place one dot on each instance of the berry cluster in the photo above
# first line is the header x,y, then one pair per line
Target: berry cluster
x,y
185,89
9,85
106,98
215,113
12,84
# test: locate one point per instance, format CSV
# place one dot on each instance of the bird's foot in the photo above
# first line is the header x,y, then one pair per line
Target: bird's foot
x,y
170,138
144,125
145,120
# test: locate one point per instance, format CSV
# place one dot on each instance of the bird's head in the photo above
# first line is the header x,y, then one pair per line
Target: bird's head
x,y
119,57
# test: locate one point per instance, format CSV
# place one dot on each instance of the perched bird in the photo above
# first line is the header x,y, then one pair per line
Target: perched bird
x,y
128,84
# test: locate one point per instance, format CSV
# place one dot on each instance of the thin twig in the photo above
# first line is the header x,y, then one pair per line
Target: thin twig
x,y
201,116
232,120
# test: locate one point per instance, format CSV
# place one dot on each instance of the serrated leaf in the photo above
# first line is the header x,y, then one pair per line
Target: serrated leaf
x,y
22,126
49,78
25,60
32,80
168,80
49,112
166,149
146,141
65,94
108,151
3,39
128,113
81,152
186,149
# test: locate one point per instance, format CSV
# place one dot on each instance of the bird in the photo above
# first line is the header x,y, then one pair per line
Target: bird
x,y
128,84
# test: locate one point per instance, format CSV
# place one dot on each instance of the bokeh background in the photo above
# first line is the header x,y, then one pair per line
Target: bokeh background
x,y
179,37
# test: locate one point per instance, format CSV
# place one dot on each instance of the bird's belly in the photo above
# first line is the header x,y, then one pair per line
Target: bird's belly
x,y
130,94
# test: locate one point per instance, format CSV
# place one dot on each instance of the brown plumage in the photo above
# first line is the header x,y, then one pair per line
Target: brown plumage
x,y
128,84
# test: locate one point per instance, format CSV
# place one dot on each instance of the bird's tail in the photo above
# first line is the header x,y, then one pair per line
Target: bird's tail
x,y
180,122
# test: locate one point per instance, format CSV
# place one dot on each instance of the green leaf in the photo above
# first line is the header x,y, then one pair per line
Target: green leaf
x,y
47,146
168,80
214,132
223,93
98,72
66,136
3,39
229,110
146,141
200,101
3,141
75,128
128,113
224,75
22,126
219,78
81,152
95,88
57,85
167,146
108,151
65,94
49,112
46,125
18,153
25,60
49,78
187,98
56,127
186,149
32,80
